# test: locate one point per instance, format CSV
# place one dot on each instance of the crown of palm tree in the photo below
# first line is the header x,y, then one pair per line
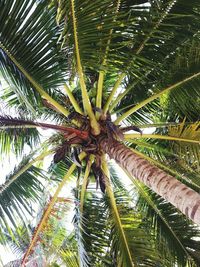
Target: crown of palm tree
x,y
92,72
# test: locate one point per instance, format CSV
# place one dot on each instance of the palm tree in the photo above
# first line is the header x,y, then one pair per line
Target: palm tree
x,y
81,68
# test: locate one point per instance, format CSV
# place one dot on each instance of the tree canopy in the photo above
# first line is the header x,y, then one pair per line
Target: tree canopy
x,y
72,74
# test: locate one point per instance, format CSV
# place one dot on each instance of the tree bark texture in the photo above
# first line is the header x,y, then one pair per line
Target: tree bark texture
x,y
165,185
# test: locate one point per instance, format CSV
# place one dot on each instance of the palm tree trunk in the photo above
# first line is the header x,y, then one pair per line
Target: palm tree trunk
x,y
178,194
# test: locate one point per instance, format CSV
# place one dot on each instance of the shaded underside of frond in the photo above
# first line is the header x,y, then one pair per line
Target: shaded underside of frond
x,y
30,27
165,52
15,139
20,189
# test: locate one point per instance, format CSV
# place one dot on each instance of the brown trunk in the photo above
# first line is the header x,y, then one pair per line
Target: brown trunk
x,y
178,194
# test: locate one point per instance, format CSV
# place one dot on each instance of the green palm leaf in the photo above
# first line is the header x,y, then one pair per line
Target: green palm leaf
x,y
21,188
17,194
181,76
144,253
95,232
139,60
20,241
40,64
188,154
174,232
15,139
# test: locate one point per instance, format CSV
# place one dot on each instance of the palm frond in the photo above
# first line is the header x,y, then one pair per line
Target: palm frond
x,y
68,256
15,139
163,137
125,258
186,62
153,148
166,90
70,10
20,241
181,72
188,154
50,206
160,24
29,27
176,235
96,231
14,104
79,223
22,187
144,252
185,154
168,225
53,236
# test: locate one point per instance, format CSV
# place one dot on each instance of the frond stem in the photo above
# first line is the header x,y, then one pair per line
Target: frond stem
x,y
23,169
48,210
116,86
85,97
158,23
162,124
141,47
121,95
99,90
153,97
102,73
85,181
36,85
116,215
158,136
73,100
